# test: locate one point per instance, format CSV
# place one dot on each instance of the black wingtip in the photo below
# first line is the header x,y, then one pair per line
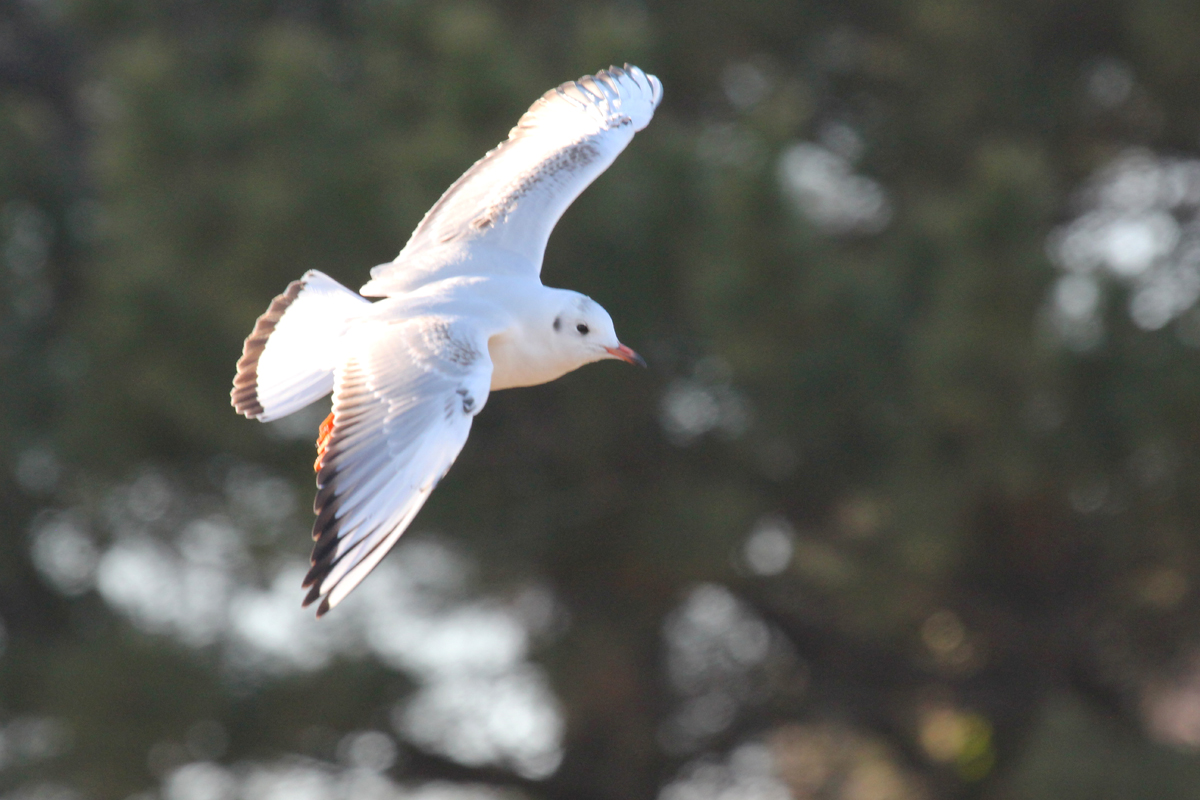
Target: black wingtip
x,y
311,597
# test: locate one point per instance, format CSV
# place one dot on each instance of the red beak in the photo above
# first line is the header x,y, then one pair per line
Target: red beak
x,y
625,354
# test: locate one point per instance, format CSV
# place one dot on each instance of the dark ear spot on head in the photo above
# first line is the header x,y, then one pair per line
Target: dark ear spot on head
x,y
557,323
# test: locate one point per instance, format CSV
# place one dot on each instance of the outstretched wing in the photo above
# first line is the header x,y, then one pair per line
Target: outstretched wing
x,y
510,200
402,409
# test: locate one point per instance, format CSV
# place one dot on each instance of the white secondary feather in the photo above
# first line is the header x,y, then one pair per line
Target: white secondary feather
x,y
510,200
466,312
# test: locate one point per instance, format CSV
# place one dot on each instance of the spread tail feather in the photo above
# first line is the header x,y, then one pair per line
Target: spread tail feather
x,y
289,357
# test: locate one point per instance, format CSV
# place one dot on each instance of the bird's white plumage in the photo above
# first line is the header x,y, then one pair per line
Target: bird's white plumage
x,y
288,361
466,312
402,407
507,204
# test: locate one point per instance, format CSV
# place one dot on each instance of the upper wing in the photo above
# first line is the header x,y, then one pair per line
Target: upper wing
x,y
402,409
511,198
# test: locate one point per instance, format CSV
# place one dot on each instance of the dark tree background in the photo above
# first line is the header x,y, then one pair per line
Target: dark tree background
x,y
905,507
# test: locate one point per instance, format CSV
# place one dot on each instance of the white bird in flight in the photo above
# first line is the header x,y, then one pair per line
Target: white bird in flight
x,y
465,314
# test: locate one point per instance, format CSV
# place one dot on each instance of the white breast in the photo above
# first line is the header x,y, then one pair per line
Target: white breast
x,y
522,360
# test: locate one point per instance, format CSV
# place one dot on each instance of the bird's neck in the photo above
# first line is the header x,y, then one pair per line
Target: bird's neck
x,y
528,352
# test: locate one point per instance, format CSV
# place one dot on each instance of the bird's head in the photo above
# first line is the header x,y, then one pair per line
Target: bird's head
x,y
583,331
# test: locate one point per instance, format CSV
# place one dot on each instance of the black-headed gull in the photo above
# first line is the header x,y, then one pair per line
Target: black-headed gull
x,y
465,314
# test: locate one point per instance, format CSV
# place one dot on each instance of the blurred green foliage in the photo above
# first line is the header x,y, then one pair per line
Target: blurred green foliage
x,y
893,394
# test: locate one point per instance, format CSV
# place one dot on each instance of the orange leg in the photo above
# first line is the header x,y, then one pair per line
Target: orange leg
x,y
323,434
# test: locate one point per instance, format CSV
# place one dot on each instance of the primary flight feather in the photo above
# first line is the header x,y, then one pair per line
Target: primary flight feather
x,y
465,313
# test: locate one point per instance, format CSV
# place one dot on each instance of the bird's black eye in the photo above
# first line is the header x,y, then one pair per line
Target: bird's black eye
x,y
581,328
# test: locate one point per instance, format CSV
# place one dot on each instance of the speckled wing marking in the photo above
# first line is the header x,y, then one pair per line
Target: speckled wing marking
x,y
512,197
561,166
402,410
